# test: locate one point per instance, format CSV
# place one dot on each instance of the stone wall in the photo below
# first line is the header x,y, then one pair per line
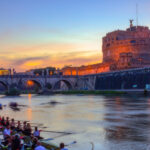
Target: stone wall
x,y
84,70
131,79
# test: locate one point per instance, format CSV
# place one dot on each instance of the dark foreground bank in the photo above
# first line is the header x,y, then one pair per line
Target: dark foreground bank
x,y
91,92
18,135
85,92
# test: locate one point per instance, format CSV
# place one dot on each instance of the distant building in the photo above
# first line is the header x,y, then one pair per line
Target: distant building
x,y
83,70
5,71
122,49
48,71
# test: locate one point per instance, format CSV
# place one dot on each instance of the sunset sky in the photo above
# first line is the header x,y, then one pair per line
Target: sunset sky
x,y
40,33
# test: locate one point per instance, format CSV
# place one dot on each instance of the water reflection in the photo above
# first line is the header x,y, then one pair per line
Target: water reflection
x,y
29,109
128,119
29,114
29,98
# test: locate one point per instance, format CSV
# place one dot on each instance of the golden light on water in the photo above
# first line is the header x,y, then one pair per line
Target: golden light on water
x,y
29,114
29,97
29,110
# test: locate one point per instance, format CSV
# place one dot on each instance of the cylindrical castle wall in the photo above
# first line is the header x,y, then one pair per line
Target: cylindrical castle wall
x,y
140,48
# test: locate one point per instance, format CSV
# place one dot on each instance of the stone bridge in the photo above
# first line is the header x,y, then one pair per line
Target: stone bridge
x,y
53,82
125,79
40,81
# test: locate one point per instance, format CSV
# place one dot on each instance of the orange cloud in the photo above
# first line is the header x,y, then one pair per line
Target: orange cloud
x,y
33,63
25,48
24,57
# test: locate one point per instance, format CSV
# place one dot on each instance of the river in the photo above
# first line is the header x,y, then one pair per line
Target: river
x,y
110,122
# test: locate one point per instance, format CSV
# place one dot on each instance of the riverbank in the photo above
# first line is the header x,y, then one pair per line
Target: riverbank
x,y
22,131
125,92
95,92
88,92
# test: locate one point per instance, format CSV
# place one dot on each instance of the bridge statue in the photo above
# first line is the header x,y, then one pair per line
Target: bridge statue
x,y
131,22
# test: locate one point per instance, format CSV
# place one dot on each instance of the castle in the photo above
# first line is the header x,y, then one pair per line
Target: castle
x,y
122,49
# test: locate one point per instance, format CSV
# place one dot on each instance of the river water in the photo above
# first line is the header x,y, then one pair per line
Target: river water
x,y
110,122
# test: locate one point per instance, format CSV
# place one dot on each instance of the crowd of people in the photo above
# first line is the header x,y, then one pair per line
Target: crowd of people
x,y
16,133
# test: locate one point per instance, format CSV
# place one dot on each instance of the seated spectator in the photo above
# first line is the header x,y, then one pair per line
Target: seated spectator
x,y
0,121
7,142
39,146
62,146
36,133
28,130
7,123
18,128
6,132
12,124
24,125
16,144
3,121
34,143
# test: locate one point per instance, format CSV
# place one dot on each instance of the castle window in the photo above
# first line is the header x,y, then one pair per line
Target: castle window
x,y
142,40
108,45
108,53
133,41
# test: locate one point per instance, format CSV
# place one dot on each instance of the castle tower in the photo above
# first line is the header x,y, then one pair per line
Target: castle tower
x,y
134,40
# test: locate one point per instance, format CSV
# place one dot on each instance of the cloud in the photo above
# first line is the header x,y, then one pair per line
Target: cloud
x,y
29,59
24,56
54,59
31,47
75,59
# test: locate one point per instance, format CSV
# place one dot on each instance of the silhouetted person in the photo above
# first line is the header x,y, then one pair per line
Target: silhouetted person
x,y
7,123
39,146
12,124
6,132
36,133
3,121
28,130
18,128
16,143
34,143
62,146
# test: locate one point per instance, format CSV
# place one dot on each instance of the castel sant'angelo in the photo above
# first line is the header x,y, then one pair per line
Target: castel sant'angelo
x,y
122,49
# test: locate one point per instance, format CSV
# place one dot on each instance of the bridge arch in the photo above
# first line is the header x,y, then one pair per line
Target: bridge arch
x,y
48,86
32,84
63,84
4,84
